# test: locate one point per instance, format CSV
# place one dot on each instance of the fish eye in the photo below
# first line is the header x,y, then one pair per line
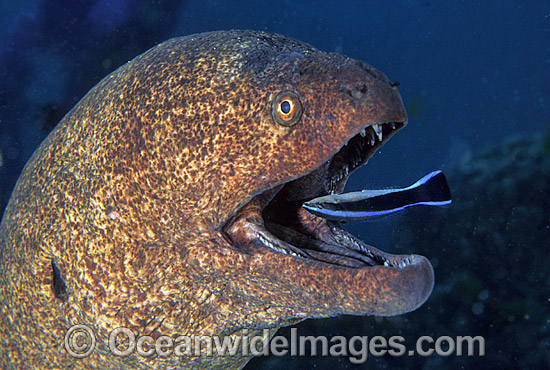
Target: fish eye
x,y
286,108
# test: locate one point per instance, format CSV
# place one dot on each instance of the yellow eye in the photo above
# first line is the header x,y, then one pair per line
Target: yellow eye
x,y
286,108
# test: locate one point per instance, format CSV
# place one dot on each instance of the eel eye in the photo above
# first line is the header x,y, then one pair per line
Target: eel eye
x,y
286,108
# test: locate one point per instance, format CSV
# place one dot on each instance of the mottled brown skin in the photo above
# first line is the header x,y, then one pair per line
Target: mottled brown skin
x,y
129,195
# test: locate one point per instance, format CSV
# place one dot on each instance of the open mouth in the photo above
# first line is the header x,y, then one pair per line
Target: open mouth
x,y
276,219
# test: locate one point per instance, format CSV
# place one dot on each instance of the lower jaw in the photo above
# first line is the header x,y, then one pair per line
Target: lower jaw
x,y
333,273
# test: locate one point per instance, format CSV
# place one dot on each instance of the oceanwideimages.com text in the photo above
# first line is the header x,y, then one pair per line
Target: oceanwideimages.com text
x,y
80,341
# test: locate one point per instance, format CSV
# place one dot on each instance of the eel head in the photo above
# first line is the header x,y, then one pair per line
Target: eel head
x,y
325,116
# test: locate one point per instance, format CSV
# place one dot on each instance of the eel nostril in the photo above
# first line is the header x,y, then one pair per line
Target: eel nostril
x,y
359,91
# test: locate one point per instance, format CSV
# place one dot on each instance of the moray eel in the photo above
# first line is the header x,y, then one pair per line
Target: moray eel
x,y
165,202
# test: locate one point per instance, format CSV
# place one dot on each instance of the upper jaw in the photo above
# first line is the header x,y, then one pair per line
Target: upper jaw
x,y
357,150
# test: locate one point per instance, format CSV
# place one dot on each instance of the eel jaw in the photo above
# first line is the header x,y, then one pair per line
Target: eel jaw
x,y
274,220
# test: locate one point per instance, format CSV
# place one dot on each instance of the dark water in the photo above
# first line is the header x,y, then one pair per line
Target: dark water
x,y
473,76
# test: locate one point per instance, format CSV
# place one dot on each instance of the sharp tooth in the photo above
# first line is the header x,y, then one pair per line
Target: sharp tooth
x,y
372,136
393,125
378,130
363,133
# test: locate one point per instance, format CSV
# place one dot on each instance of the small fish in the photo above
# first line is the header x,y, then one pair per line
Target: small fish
x,y
431,190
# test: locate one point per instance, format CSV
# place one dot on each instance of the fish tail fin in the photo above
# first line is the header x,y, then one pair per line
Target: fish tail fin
x,y
433,189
